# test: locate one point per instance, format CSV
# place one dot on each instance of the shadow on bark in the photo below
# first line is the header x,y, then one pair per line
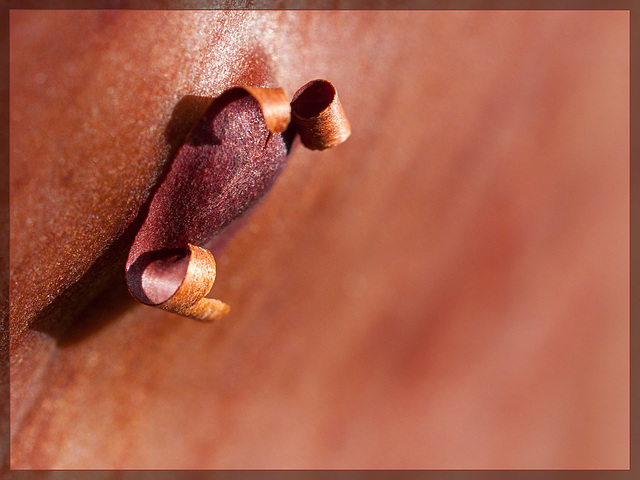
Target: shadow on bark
x,y
100,296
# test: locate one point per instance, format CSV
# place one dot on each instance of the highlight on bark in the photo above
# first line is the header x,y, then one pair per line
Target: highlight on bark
x,y
229,160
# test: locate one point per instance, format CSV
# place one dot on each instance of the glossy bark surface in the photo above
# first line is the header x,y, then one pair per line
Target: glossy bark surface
x,y
448,289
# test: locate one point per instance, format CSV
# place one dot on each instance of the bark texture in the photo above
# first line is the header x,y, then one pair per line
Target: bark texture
x,y
447,289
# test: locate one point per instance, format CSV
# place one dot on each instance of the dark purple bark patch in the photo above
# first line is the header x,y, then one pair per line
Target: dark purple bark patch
x,y
227,163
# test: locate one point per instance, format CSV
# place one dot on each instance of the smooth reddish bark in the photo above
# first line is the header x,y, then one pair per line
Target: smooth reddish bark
x,y
448,289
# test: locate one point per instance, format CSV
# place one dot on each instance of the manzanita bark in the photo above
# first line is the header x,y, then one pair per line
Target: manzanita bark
x,y
229,160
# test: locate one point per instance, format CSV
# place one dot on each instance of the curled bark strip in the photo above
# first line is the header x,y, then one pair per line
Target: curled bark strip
x,y
275,107
318,116
188,300
230,159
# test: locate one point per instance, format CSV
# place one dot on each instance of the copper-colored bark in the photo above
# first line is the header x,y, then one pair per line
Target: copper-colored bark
x,y
319,116
188,300
274,105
